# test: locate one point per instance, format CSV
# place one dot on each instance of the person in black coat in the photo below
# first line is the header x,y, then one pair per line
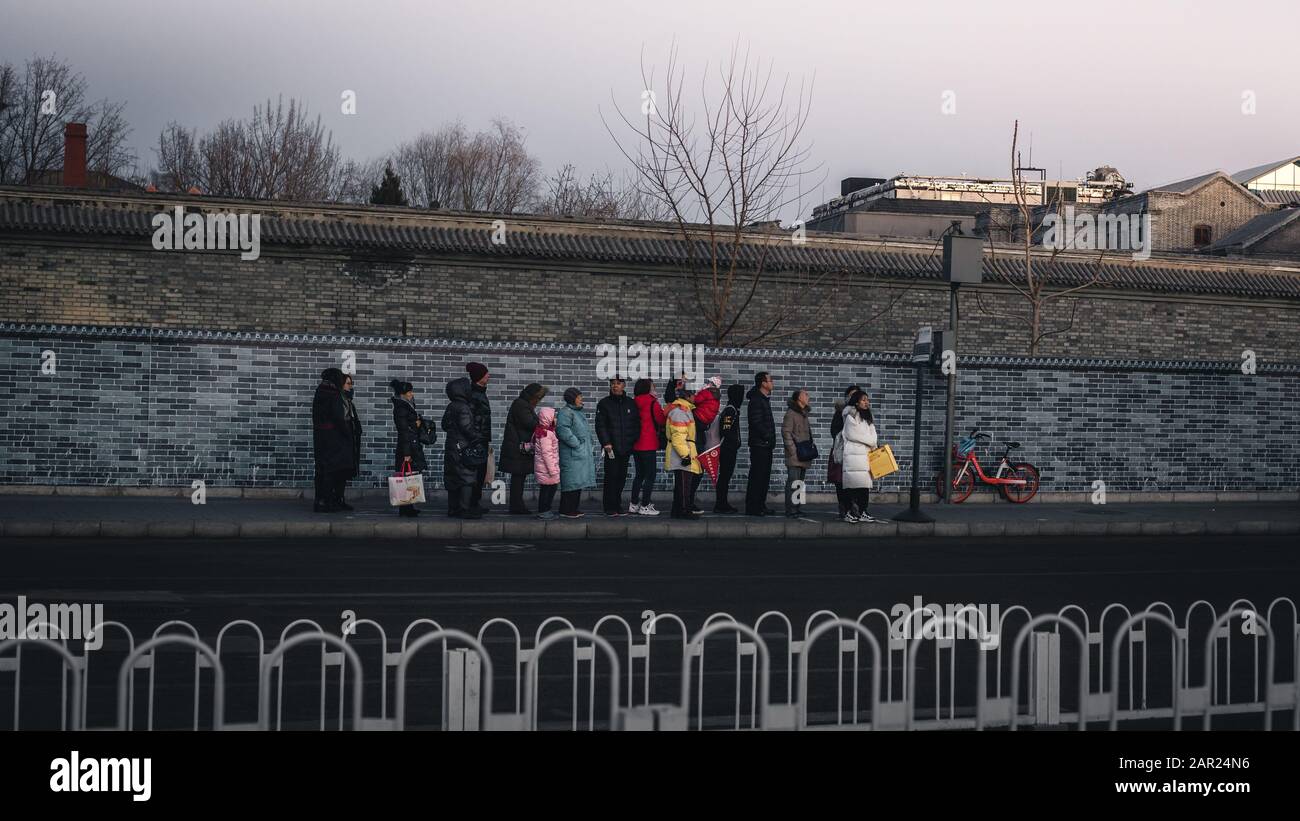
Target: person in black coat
x,y
516,445
618,425
354,422
332,443
410,425
482,414
762,441
465,456
729,427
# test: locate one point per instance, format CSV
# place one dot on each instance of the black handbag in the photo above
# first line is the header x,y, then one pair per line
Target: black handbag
x,y
472,455
426,433
805,451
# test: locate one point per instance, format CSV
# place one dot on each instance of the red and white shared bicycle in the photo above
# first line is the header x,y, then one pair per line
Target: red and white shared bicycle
x,y
1016,481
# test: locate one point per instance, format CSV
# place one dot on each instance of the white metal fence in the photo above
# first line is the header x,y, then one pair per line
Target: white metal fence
x,y
1136,668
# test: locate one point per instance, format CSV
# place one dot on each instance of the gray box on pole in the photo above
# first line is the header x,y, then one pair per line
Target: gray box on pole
x,y
963,259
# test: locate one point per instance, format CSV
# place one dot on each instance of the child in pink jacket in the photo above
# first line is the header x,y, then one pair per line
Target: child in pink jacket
x,y
546,461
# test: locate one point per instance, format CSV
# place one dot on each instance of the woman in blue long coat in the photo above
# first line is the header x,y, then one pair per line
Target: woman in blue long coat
x,y
577,467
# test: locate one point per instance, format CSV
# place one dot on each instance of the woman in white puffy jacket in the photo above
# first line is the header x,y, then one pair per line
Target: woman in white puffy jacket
x,y
858,438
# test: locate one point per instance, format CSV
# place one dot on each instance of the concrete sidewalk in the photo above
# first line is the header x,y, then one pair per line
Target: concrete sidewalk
x,y
137,517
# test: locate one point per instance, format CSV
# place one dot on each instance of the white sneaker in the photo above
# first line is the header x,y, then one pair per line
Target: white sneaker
x,y
634,508
851,519
648,510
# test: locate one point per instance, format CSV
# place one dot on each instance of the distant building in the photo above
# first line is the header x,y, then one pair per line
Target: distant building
x,y
920,207
1276,182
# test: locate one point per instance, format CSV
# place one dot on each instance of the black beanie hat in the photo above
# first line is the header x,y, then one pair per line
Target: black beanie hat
x,y
571,394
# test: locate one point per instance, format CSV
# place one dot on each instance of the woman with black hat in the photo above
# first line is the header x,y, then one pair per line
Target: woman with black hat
x,y
410,424
517,445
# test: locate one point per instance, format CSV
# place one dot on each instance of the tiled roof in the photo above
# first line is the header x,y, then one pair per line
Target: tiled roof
x,y
164,336
657,245
1249,174
1256,229
1184,186
1276,197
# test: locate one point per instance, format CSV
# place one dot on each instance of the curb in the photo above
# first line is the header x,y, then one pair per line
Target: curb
x,y
598,528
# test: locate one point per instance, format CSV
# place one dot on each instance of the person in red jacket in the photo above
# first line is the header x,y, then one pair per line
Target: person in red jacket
x,y
646,449
708,403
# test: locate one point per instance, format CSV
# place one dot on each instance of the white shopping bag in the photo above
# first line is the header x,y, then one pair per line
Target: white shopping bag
x,y
406,488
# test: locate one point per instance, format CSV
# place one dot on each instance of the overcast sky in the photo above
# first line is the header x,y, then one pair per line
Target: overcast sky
x,y
1154,88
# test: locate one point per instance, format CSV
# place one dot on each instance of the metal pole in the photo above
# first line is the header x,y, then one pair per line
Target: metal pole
x,y
913,512
952,397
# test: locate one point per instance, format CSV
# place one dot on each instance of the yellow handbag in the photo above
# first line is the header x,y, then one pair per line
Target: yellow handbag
x,y
881,461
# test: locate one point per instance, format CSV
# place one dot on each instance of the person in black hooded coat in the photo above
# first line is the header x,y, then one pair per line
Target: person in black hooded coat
x,y
516,445
465,452
332,444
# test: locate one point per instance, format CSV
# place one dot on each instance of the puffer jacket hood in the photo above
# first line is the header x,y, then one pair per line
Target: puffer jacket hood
x,y
735,395
460,389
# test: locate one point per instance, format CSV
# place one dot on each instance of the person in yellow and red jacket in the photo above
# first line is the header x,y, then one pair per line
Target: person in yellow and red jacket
x,y
681,456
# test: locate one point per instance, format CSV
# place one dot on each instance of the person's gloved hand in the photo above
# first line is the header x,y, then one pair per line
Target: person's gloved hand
x,y
686,460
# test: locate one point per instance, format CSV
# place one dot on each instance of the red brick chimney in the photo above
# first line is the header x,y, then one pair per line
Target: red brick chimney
x,y
74,155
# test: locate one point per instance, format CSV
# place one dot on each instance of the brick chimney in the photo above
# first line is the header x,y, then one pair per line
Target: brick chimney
x,y
74,155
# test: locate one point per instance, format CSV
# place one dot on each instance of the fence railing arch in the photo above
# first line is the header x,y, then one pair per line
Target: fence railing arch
x,y
1126,633
275,661
576,634
125,693
70,662
1049,618
486,713
860,632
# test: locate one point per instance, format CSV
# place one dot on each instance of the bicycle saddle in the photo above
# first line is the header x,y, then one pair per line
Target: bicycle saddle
x,y
1012,445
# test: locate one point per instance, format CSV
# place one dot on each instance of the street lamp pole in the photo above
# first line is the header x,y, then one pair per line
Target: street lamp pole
x,y
921,351
963,262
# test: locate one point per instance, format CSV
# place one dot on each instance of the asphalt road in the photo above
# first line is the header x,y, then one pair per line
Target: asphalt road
x,y
209,583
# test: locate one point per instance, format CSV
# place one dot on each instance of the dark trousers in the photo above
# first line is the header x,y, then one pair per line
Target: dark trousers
x,y
545,495
615,482
569,500
517,493
647,466
760,476
842,496
683,493
330,485
726,469
476,491
793,475
458,499
859,497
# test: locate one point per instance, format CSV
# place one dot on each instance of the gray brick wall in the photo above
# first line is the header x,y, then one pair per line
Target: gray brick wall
x,y
116,285
134,411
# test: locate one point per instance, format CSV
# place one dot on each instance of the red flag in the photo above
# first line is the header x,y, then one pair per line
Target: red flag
x,y
709,459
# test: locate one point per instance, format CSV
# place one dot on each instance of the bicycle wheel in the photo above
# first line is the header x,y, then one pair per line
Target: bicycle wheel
x,y
1019,494
963,484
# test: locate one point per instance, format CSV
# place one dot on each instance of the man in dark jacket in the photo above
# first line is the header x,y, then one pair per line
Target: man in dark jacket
x,y
762,441
729,427
331,436
465,457
618,424
516,445
482,412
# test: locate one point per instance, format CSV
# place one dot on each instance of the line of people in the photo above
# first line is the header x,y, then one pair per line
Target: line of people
x,y
692,432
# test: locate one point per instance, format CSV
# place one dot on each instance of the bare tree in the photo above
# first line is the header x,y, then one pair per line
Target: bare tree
x,y
278,153
724,170
180,164
1041,274
38,103
602,196
485,171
